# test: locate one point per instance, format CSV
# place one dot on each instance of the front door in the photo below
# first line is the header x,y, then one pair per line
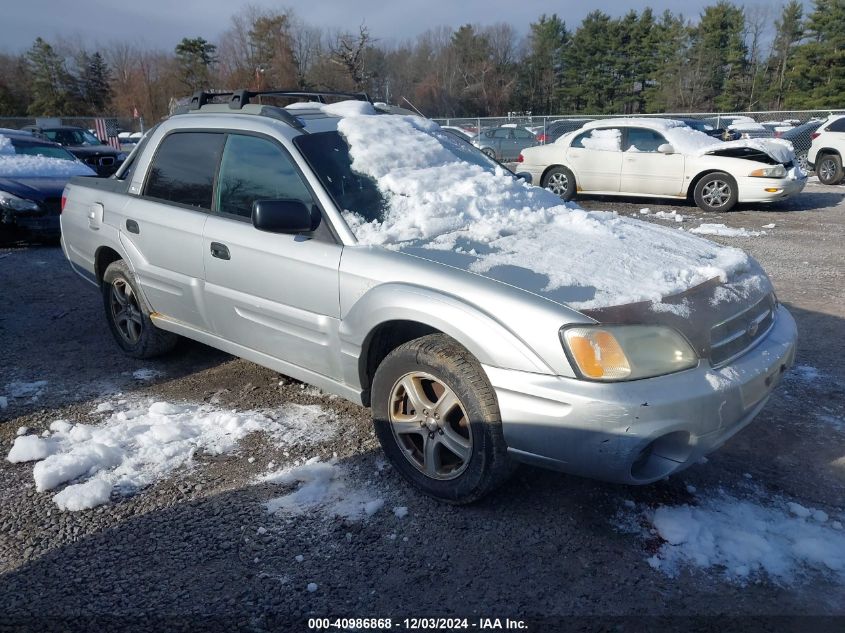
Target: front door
x,y
273,293
647,170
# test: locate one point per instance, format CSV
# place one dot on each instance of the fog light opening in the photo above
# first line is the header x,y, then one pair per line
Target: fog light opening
x,y
662,456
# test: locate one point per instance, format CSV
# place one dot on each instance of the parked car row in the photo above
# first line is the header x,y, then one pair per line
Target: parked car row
x,y
664,158
104,159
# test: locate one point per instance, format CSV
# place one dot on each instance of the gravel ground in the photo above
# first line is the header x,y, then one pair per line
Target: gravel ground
x,y
199,550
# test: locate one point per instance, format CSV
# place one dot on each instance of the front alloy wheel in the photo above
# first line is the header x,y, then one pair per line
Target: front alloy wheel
x,y
430,425
716,193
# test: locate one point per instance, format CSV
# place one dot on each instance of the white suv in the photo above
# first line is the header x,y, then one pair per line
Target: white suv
x,y
826,152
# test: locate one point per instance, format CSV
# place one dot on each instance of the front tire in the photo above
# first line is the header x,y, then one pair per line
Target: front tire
x,y
437,419
716,192
128,315
489,151
561,182
829,169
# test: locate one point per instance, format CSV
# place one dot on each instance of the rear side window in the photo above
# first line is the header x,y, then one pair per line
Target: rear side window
x,y
523,134
642,140
182,170
253,169
501,133
837,126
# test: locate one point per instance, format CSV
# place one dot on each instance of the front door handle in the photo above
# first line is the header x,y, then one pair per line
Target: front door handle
x,y
132,227
220,251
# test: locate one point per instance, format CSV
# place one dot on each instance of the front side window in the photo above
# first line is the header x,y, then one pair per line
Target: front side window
x,y
501,133
253,169
182,170
642,140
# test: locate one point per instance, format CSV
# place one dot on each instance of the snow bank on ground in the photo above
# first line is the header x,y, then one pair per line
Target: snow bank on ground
x,y
494,222
140,443
19,389
724,231
321,486
744,539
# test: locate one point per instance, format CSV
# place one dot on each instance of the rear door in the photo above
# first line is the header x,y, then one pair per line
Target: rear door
x,y
596,159
162,229
646,170
273,293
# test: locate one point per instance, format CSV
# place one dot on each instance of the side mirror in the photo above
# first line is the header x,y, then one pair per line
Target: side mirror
x,y
282,216
666,148
525,176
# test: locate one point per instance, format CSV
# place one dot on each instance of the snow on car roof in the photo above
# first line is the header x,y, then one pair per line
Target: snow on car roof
x,y
494,225
652,123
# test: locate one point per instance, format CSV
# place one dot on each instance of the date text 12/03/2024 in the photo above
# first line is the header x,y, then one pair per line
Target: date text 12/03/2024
x,y
417,624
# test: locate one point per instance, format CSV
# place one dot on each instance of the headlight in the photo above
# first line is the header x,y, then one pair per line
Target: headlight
x,y
626,352
778,171
10,201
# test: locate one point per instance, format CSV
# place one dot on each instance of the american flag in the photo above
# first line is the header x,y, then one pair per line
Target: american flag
x,y
107,131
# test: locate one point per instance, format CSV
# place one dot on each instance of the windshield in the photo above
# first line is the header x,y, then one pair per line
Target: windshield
x,y
24,148
328,155
72,137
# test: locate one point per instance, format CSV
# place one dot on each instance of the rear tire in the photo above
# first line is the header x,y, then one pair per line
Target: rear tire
x,y
561,182
489,151
829,169
803,162
454,449
716,192
128,315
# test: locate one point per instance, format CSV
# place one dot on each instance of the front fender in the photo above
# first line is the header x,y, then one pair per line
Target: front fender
x,y
485,337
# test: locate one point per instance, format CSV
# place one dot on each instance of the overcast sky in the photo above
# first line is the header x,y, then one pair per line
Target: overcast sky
x,y
162,23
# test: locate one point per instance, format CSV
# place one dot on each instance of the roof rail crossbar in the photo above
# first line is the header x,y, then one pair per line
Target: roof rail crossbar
x,y
199,99
242,97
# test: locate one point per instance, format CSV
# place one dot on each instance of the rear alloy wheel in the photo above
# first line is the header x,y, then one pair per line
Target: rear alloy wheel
x,y
561,182
437,419
129,316
489,151
716,192
829,169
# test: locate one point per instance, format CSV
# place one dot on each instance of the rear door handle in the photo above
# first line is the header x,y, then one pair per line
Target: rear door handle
x,y
220,251
132,227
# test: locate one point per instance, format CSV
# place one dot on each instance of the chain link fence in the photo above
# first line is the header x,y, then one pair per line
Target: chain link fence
x,y
793,125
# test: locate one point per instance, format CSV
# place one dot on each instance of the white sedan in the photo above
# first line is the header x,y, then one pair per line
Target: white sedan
x,y
664,158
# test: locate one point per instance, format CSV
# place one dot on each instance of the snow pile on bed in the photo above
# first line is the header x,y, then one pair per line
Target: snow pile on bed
x,y
437,201
140,443
744,540
724,230
321,486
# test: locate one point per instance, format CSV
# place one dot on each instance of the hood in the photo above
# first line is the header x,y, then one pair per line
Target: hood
x,y
762,149
34,188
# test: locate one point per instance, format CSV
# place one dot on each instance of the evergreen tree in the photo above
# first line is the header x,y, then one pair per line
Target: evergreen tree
x,y
543,65
588,77
816,76
195,57
720,57
667,87
789,29
53,88
94,83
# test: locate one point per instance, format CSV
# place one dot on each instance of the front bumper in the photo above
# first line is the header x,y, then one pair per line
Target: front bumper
x,y
770,189
639,431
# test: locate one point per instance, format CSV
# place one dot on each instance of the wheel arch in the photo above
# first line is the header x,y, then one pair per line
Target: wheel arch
x,y
694,182
103,257
392,314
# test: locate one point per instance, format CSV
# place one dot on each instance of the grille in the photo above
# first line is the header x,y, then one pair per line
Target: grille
x,y
733,337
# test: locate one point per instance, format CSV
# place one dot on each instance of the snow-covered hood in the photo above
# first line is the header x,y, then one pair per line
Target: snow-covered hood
x,y
486,222
779,150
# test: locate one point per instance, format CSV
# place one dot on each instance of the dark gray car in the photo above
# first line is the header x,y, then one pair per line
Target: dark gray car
x,y
504,143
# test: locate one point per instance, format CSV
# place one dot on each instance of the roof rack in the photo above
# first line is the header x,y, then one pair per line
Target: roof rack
x,y
239,98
